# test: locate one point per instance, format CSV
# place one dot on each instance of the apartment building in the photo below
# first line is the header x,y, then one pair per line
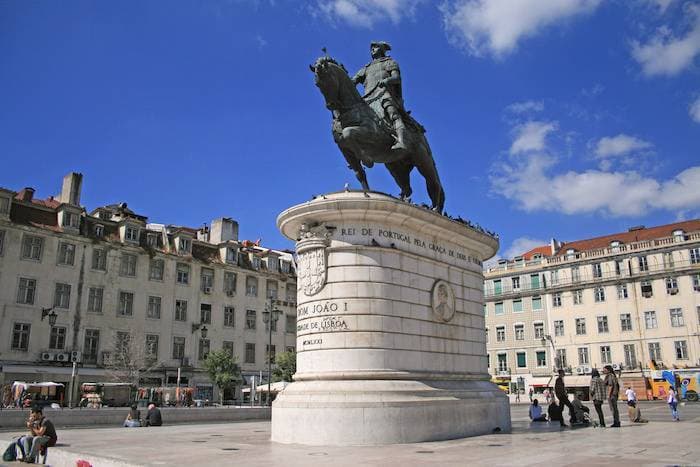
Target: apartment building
x,y
629,299
88,287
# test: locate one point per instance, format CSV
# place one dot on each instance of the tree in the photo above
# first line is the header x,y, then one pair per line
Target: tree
x,y
132,357
223,370
286,366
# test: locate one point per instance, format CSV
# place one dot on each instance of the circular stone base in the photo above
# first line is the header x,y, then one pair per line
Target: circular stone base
x,y
374,412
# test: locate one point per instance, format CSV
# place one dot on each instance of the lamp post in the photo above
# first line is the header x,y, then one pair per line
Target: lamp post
x,y
270,317
204,331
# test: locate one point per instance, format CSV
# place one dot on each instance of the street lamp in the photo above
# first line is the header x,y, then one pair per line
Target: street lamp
x,y
270,317
51,314
201,327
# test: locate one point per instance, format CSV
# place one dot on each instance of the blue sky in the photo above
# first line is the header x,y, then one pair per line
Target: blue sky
x,y
547,118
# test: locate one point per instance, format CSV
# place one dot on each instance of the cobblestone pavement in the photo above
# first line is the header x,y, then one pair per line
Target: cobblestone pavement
x,y
659,442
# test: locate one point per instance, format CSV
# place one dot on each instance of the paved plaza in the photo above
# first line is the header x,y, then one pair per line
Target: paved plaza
x,y
660,442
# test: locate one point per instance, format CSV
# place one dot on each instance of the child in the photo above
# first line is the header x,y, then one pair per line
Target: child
x,y
673,404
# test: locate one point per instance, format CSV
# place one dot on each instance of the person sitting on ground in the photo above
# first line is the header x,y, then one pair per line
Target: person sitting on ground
x,y
44,435
536,414
555,413
580,410
153,417
133,420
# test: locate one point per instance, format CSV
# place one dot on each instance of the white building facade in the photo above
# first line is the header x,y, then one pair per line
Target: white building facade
x,y
113,279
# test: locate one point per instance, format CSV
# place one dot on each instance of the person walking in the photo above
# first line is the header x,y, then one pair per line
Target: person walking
x,y
532,391
563,396
598,395
613,388
517,395
673,403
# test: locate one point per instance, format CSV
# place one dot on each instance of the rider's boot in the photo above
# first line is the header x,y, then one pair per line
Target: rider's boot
x,y
400,136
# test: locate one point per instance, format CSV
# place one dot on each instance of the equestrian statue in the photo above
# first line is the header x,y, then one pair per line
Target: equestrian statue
x,y
375,127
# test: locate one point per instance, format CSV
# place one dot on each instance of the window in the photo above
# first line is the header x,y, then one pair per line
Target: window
x,y
273,263
516,283
229,317
676,317
486,333
694,255
291,292
497,287
122,342
206,281
558,328
561,358
182,273
95,295
91,345
650,319
605,355
539,330
500,334
228,347
681,350
521,359
534,281
152,347
517,306
204,348
671,286
271,287
178,347
270,353
156,270
230,283
180,310
126,304
696,282
519,332
284,266
555,277
578,296
131,234
597,270
541,357
536,303
580,326
630,356
556,299
603,324
575,274
643,264
498,308
231,255
619,267
583,356
654,351
127,267
626,322
20,336
249,353
66,254
2,241
61,297
154,304
205,313
99,230
668,260
251,286
4,205
647,290
26,291
291,324
183,245
57,338
502,362
70,220
255,261
250,319
31,247
99,259
622,291
599,293
274,326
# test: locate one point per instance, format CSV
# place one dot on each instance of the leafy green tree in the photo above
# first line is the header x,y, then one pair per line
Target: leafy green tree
x,y
223,370
286,366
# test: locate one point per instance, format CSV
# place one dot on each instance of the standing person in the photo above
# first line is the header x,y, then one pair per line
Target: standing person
x,y
613,387
532,391
673,403
631,396
517,395
563,396
133,419
546,395
44,434
598,395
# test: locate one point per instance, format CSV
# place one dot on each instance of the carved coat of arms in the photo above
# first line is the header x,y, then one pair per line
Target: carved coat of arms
x,y
311,270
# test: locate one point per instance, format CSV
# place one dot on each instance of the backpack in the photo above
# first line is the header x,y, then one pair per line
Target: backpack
x,y
10,454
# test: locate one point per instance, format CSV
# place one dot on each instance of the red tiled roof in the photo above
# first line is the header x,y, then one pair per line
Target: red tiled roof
x,y
631,237
544,250
48,202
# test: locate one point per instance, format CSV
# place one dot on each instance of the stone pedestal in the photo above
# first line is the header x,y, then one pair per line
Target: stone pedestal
x,y
391,345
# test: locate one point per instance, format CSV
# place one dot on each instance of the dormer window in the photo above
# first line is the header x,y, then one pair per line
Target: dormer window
x,y
4,205
70,220
105,215
284,266
537,256
272,264
255,261
131,234
231,255
184,245
152,240
99,230
678,235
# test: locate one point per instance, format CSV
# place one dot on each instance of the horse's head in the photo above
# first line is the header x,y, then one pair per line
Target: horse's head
x,y
330,77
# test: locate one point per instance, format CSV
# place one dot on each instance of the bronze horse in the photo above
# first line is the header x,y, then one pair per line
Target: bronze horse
x,y
365,138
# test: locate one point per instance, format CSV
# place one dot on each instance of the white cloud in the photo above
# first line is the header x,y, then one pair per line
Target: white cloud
x,y
694,110
619,145
525,107
365,13
533,183
666,54
519,246
662,4
531,136
497,26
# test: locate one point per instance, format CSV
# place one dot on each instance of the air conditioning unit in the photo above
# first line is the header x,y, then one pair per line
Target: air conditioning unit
x,y
76,356
62,357
580,370
207,290
616,366
48,356
587,370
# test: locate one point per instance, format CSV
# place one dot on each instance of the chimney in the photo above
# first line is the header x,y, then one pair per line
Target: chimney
x,y
554,246
223,230
70,192
26,194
